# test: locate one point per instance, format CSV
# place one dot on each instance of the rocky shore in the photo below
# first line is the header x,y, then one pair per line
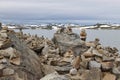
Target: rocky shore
x,y
65,57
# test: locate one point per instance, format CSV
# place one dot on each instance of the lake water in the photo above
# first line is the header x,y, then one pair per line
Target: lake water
x,y
107,37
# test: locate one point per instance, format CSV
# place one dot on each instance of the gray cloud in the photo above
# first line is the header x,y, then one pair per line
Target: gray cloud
x,y
60,9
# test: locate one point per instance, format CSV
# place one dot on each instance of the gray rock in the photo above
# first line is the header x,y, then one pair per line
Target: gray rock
x,y
8,71
2,66
63,69
55,76
65,41
117,60
105,59
73,71
93,74
116,71
94,64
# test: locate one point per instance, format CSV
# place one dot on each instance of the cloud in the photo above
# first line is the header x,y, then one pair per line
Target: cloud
x,y
60,9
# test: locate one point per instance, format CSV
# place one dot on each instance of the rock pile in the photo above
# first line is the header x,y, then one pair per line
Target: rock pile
x,y
17,61
66,58
40,45
94,63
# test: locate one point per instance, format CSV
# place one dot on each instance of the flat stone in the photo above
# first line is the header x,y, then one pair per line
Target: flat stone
x,y
105,59
94,64
48,69
107,66
2,66
55,76
96,53
15,61
109,76
93,74
3,61
116,71
117,60
4,35
8,71
63,69
67,60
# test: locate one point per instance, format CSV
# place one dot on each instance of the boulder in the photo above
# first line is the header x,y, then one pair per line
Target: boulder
x,y
65,41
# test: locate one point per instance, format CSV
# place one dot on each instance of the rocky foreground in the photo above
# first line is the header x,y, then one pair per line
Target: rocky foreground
x,y
65,57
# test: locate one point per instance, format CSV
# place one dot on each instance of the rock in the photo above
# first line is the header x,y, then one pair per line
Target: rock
x,y
68,54
9,52
15,61
94,64
5,28
107,66
109,76
117,60
65,41
30,67
89,53
4,61
116,71
55,76
73,71
98,59
105,59
84,64
93,74
96,53
63,69
5,43
67,60
8,71
76,62
3,35
2,66
47,69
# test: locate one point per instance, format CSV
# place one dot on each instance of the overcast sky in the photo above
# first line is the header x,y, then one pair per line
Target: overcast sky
x,y
90,10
